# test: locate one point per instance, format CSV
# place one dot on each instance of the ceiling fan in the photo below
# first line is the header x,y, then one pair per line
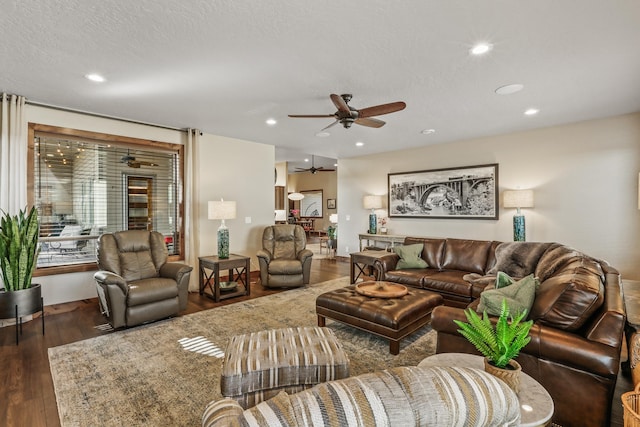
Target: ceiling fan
x,y
347,115
133,163
314,170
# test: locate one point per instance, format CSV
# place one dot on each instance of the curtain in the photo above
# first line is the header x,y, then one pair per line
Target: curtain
x,y
191,207
13,154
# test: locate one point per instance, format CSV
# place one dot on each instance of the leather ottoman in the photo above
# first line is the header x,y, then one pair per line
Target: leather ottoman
x,y
258,365
391,318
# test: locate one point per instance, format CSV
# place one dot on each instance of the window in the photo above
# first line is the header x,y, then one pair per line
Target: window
x,y
85,184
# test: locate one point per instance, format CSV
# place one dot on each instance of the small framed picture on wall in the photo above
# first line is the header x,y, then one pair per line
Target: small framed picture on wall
x,y
331,203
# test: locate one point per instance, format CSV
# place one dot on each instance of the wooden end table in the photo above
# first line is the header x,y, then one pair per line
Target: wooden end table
x,y
362,260
536,405
237,265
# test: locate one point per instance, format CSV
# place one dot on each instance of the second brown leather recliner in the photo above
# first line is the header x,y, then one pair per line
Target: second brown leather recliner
x,y
284,260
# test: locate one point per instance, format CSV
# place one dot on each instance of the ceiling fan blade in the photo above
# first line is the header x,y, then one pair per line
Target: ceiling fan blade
x,y
379,110
372,123
311,116
133,164
321,169
340,104
332,124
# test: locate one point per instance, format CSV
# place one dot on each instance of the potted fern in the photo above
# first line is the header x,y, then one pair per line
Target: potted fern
x,y
19,250
499,344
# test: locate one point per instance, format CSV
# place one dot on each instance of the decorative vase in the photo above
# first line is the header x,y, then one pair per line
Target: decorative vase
x,y
509,374
373,223
223,241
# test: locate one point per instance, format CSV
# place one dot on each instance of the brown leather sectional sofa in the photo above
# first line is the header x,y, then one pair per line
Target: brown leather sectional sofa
x,y
578,314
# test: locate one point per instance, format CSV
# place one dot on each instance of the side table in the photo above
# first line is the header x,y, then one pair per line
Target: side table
x,y
536,405
237,265
361,260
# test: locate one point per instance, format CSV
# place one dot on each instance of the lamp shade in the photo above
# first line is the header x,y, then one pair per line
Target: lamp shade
x,y
372,202
295,196
518,198
281,215
333,218
219,209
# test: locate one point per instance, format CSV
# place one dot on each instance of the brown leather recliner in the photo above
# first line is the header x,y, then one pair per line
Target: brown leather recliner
x,y
135,283
284,260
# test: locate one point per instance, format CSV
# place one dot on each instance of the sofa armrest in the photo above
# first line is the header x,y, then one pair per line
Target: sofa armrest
x,y
386,263
225,412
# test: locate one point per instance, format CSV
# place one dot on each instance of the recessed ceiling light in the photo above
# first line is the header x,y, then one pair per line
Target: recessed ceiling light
x,y
509,89
359,144
427,131
306,160
95,78
271,122
481,48
335,165
531,112
322,134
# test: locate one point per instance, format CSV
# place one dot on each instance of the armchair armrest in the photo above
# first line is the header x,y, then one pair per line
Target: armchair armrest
x,y
264,254
108,278
304,254
174,270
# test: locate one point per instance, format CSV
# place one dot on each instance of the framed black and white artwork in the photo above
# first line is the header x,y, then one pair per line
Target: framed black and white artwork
x,y
469,192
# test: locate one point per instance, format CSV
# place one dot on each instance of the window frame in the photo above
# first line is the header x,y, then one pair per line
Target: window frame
x,y
101,138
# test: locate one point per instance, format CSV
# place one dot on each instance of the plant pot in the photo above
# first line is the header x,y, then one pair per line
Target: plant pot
x,y
510,374
28,301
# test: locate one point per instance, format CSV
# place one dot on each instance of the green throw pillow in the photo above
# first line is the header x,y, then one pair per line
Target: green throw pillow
x,y
410,256
519,295
503,279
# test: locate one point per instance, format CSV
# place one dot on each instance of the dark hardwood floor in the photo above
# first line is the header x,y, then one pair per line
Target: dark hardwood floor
x,y
28,398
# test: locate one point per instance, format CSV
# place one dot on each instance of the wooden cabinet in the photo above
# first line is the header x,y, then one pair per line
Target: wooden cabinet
x,y
139,209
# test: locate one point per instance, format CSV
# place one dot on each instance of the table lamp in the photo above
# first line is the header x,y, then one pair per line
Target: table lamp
x,y
518,199
222,210
372,202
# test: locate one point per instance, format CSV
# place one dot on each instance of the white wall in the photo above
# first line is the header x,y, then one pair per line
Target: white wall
x,y
229,168
238,170
584,176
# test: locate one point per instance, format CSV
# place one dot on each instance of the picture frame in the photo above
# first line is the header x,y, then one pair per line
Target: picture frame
x,y
467,192
331,203
311,205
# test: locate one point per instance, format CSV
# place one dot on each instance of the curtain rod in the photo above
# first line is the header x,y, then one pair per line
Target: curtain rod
x,y
104,116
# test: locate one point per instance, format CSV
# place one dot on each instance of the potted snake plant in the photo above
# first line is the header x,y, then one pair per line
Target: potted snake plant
x,y
499,344
19,250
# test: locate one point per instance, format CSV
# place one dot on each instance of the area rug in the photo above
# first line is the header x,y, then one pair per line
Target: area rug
x,y
165,373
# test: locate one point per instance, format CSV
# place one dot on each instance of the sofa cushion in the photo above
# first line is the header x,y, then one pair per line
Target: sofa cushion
x,y
411,277
410,256
518,259
466,255
569,298
448,282
432,251
519,295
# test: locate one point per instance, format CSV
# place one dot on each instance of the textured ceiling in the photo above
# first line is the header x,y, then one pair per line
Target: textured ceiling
x,y
226,66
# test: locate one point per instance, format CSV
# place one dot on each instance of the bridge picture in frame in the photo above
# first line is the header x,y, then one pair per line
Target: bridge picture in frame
x,y
469,192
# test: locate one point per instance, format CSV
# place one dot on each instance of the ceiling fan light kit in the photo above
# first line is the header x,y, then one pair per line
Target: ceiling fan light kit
x,y
347,115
